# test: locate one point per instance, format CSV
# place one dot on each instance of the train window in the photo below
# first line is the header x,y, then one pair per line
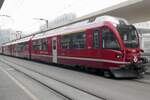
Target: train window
x,y
74,41
21,47
37,45
65,42
54,44
78,40
44,44
109,40
96,39
41,44
129,35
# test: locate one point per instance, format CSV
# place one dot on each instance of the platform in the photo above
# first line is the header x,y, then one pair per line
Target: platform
x,y
9,89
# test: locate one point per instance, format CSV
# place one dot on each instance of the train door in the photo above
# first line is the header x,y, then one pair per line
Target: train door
x,y
111,50
54,50
96,45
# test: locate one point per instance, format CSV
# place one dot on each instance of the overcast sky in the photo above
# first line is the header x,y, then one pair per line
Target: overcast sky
x,y
22,12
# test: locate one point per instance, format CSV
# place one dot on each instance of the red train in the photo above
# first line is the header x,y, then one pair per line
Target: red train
x,y
103,43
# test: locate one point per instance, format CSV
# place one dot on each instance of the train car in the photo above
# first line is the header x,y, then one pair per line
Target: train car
x,y
19,48
9,48
105,42
23,47
6,49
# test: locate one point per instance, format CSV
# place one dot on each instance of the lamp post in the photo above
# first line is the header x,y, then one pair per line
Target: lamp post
x,y
46,21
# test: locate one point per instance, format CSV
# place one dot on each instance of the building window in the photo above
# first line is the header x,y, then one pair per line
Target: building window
x,y
109,40
96,39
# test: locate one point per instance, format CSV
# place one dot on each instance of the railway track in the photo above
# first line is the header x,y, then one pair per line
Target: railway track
x,y
99,89
63,95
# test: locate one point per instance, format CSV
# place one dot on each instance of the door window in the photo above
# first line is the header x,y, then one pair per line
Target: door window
x,y
96,39
54,44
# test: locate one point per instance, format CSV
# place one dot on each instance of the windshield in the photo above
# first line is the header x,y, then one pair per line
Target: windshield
x,y
128,35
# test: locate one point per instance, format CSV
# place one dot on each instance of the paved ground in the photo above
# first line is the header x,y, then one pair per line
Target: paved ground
x,y
9,89
110,89
17,86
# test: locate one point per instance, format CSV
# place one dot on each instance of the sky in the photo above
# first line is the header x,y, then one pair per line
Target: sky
x,y
23,12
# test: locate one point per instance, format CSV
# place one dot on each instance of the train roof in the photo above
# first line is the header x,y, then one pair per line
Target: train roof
x,y
71,27
19,41
79,26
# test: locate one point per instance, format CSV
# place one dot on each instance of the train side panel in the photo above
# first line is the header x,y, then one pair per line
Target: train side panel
x,y
22,50
41,50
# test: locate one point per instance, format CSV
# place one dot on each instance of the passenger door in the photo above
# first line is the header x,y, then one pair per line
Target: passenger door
x,y
54,50
111,50
96,50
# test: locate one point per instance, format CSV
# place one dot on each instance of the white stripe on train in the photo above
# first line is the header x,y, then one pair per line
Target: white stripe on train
x,y
85,59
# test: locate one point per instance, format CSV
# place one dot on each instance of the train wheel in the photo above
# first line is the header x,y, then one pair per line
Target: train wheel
x,y
107,74
141,75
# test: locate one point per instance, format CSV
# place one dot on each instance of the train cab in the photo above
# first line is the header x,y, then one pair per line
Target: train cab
x,y
127,42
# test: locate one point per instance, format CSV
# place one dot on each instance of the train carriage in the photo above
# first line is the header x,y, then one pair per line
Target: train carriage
x,y
19,48
23,47
6,49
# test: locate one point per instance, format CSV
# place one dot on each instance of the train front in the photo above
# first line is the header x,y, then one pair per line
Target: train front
x,y
136,65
